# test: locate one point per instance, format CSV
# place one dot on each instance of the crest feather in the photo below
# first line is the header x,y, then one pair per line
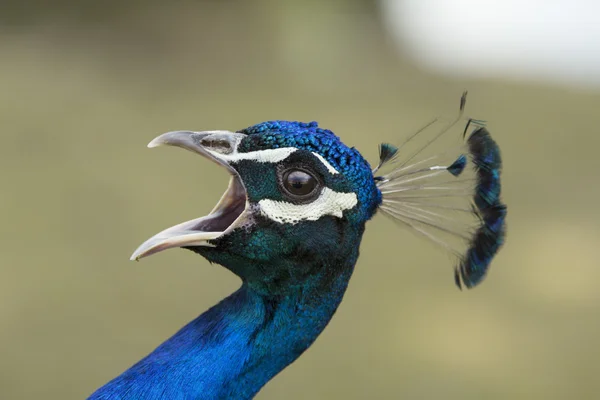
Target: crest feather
x,y
450,196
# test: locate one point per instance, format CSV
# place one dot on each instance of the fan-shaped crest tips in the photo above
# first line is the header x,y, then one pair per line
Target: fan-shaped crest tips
x,y
450,195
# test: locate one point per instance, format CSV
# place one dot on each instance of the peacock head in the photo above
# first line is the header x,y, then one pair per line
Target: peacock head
x,y
298,199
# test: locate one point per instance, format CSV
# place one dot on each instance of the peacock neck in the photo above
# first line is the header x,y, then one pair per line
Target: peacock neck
x,y
233,349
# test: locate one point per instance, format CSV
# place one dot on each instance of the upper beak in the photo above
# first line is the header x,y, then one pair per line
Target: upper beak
x,y
228,211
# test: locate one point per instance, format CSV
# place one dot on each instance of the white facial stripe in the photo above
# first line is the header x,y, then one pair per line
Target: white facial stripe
x,y
326,163
328,203
262,156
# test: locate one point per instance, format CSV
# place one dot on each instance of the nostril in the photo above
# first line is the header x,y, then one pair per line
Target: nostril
x,y
220,145
223,142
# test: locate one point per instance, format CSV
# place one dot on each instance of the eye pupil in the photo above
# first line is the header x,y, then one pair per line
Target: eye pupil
x,y
299,183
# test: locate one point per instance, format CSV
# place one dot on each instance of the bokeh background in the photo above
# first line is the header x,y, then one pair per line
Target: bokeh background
x,y
85,85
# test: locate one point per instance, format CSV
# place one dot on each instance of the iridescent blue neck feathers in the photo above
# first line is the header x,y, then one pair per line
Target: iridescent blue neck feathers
x,y
231,351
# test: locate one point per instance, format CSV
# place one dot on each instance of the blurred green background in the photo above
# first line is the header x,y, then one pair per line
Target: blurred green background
x,y
84,87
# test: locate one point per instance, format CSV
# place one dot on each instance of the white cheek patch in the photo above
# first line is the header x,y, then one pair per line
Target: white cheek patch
x,y
328,203
326,163
261,156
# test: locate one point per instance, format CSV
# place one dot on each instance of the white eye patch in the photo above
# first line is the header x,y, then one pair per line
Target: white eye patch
x,y
328,203
261,156
269,156
326,163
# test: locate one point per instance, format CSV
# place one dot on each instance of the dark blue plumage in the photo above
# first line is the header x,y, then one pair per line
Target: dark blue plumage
x,y
290,226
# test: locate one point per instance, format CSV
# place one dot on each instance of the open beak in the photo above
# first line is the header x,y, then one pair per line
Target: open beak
x,y
230,210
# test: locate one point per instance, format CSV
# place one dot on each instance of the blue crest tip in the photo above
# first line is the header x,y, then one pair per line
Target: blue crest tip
x,y
490,236
458,166
386,152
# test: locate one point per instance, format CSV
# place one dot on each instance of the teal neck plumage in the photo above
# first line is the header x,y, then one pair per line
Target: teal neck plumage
x,y
236,347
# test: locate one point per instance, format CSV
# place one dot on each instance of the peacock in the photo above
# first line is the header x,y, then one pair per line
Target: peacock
x,y
289,225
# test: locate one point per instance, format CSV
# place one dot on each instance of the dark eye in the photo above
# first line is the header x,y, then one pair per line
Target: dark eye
x,y
299,183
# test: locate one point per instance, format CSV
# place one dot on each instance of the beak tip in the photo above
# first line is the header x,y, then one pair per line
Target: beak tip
x,y
136,256
154,143
173,138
